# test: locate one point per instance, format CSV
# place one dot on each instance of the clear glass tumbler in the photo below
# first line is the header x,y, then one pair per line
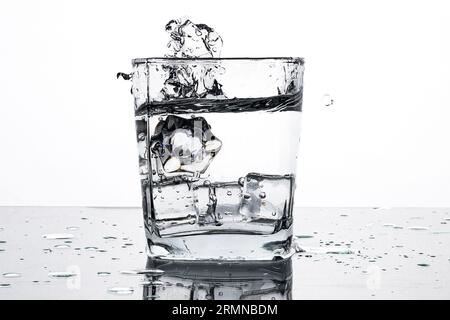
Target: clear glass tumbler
x,y
218,142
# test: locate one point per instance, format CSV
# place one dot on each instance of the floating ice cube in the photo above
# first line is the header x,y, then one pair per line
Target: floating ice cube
x,y
173,201
205,202
183,146
267,196
228,202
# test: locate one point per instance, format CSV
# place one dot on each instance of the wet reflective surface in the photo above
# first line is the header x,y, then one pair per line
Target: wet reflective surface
x,y
343,253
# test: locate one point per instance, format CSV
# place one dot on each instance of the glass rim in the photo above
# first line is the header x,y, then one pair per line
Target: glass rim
x,y
137,61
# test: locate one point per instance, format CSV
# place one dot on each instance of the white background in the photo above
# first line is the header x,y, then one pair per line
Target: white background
x,y
67,129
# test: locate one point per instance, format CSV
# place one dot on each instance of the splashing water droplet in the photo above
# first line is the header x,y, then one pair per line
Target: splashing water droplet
x,y
121,290
327,101
58,236
11,275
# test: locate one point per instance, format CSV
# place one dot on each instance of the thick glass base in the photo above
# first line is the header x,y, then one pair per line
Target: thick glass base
x,y
222,247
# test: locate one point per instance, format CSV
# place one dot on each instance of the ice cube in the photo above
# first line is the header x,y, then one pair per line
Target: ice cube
x,y
228,202
173,203
267,197
205,202
183,145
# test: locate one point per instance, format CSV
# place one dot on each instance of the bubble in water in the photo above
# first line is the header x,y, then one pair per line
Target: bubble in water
x,y
58,236
262,194
121,290
327,101
61,274
11,275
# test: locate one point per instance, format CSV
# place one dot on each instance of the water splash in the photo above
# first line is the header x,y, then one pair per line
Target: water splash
x,y
189,40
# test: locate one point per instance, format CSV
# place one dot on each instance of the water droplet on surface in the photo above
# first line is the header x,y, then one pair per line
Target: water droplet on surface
x,y
61,246
304,236
418,228
262,194
149,272
58,236
61,274
11,275
153,283
121,290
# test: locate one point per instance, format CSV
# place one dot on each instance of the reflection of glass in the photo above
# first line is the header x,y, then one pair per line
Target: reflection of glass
x,y
220,281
